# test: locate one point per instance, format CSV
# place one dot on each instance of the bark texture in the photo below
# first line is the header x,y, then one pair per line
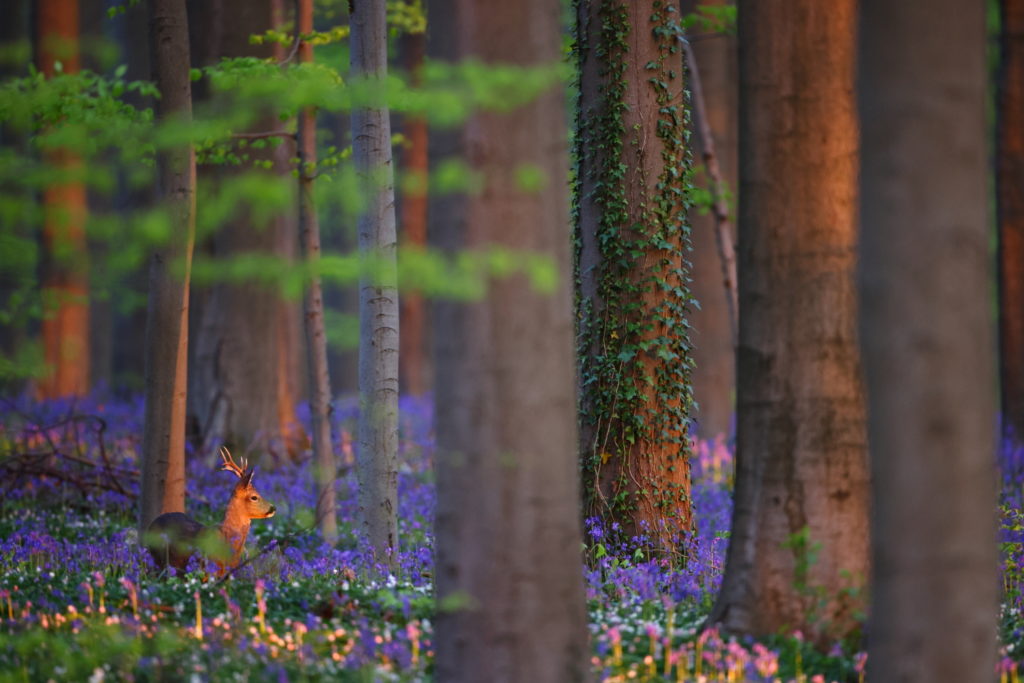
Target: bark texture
x,y
325,467
377,456
632,295
928,338
509,586
798,551
414,354
163,441
65,279
1010,209
714,354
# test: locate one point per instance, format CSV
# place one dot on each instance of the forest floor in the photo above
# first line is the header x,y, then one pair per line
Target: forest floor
x,y
79,600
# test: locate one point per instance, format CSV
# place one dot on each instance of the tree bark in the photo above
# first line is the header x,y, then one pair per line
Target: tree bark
x,y
798,550
324,466
1010,214
377,457
632,294
65,279
928,341
163,443
714,339
509,586
414,355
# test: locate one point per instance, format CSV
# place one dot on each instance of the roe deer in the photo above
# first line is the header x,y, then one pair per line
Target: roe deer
x,y
173,537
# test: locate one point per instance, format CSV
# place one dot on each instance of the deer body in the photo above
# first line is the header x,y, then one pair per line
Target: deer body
x,y
173,537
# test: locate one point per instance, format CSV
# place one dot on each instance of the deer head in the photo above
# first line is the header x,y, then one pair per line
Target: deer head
x,y
245,498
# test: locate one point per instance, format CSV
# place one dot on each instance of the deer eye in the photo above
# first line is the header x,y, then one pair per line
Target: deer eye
x,y
255,498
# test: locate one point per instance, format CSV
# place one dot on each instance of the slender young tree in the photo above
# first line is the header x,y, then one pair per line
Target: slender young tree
x,y
65,281
798,550
929,341
325,467
632,294
377,456
163,441
714,352
1010,210
509,586
289,323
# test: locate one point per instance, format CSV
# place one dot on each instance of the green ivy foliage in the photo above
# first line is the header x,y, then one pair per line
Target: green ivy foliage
x,y
634,345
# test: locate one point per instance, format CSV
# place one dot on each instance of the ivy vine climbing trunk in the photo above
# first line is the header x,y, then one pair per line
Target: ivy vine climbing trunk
x,y
65,279
929,341
166,354
798,549
324,465
632,295
1010,214
509,586
377,457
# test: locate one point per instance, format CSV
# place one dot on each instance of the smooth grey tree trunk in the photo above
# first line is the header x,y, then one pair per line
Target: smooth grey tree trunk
x,y
798,549
324,463
509,579
929,343
377,455
163,439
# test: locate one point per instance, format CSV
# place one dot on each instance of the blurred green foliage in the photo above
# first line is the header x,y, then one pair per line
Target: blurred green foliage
x,y
107,124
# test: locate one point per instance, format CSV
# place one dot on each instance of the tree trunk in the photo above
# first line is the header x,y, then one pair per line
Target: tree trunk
x,y
288,325
241,392
324,466
798,551
163,442
509,585
414,353
633,297
377,457
928,341
714,353
1010,208
65,280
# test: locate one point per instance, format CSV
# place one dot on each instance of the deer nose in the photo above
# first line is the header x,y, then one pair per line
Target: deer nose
x,y
273,509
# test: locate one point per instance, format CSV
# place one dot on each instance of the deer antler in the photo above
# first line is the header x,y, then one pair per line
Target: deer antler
x,y
229,463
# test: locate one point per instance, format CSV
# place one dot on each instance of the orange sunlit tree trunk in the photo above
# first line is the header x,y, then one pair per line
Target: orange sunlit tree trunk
x,y
65,284
413,353
1010,208
798,546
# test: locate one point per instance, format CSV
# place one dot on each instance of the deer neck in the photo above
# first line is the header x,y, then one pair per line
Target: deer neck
x,y
235,528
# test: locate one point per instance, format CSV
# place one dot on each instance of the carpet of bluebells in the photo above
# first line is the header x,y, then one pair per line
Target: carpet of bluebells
x,y
80,601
